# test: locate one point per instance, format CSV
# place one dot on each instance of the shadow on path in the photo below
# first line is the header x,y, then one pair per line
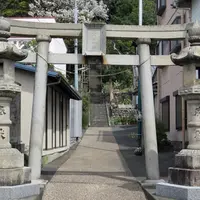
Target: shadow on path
x,y
49,170
127,145
136,164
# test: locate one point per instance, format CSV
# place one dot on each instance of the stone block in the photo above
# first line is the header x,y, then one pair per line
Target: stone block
x,y
11,158
177,192
188,159
17,176
26,191
32,198
26,175
190,162
9,177
180,176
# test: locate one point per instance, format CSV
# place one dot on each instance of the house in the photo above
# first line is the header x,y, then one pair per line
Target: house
x,y
169,106
57,45
57,129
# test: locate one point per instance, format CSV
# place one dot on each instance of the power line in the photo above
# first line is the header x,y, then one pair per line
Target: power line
x,y
113,74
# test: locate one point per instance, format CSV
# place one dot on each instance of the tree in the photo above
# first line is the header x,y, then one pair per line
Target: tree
x,y
125,12
14,8
63,10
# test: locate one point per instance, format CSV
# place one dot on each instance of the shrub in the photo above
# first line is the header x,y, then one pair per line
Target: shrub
x,y
85,120
160,131
130,120
162,139
85,110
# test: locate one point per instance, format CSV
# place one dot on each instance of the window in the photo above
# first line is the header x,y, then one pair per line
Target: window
x,y
61,129
56,113
184,18
185,21
166,112
183,3
158,50
175,45
161,6
197,72
165,47
178,104
1,71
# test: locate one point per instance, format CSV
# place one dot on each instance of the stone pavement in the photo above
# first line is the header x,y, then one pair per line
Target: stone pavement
x,y
96,170
136,164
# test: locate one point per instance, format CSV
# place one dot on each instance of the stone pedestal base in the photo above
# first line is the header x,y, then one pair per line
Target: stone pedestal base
x,y
29,191
177,192
187,168
11,158
15,176
184,178
12,170
180,176
189,159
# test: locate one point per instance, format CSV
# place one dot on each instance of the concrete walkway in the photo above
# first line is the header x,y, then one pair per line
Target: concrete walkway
x,y
95,171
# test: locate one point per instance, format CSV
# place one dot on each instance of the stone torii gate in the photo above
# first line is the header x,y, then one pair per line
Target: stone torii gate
x,y
94,51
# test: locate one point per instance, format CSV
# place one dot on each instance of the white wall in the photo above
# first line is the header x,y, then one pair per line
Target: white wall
x,y
57,45
170,81
26,79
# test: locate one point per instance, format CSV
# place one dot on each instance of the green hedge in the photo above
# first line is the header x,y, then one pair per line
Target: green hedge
x,y
85,110
123,120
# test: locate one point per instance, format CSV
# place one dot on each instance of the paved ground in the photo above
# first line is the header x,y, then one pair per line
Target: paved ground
x,y
136,164
96,170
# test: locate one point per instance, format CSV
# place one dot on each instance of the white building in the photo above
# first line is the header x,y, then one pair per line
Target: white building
x,y
57,45
57,131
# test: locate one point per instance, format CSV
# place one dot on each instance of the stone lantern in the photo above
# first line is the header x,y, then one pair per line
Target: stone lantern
x,y
184,178
15,179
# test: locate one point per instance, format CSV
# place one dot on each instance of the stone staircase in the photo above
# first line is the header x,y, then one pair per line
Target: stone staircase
x,y
98,111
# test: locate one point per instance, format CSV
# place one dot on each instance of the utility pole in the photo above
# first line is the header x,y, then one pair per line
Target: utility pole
x,y
76,47
139,88
140,12
138,151
76,66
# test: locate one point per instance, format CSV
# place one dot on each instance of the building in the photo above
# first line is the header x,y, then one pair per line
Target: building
x,y
57,131
193,5
57,45
168,105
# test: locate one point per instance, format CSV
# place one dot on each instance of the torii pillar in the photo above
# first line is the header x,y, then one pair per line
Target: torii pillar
x,y
148,113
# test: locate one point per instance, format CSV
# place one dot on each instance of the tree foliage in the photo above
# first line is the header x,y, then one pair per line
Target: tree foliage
x,y
63,10
14,8
122,79
126,12
123,12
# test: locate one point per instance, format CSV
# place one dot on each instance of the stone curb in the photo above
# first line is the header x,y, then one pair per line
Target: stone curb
x,y
20,191
150,193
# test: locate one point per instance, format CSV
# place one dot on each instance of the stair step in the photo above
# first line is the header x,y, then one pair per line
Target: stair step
x,y
98,113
